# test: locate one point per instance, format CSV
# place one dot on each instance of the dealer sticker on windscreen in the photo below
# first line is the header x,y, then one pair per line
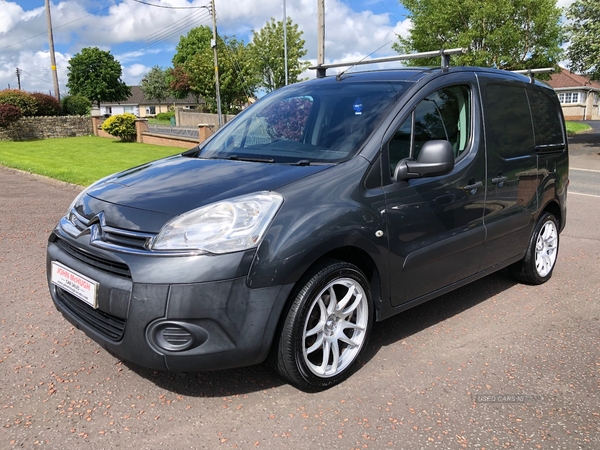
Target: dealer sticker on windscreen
x,y
74,283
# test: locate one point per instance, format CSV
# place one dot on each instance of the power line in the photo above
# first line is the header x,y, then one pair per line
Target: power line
x,y
171,7
168,31
32,75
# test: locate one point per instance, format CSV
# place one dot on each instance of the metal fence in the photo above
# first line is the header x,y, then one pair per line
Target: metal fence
x,y
191,132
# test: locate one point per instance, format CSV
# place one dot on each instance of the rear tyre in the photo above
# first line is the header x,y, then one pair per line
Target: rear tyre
x,y
326,328
539,261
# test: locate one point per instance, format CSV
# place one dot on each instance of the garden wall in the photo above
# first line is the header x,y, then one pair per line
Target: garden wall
x,y
47,127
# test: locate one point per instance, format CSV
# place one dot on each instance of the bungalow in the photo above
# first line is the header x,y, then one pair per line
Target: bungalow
x,y
579,96
140,106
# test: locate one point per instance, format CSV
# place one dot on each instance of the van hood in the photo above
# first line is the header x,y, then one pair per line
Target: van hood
x,y
179,184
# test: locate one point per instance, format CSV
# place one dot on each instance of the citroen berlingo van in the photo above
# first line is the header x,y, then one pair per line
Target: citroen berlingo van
x,y
327,206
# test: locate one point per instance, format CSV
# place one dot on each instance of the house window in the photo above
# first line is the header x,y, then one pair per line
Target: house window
x,y
570,97
150,109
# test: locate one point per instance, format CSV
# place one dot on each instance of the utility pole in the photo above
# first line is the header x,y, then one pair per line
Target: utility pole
x,y
285,53
51,45
214,46
321,32
18,72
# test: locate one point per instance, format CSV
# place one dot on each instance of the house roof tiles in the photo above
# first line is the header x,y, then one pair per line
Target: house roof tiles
x,y
137,98
567,79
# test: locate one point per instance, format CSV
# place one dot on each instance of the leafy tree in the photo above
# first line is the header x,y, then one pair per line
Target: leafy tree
x,y
584,32
268,54
76,105
179,83
47,105
121,126
155,85
194,70
21,99
507,34
96,75
196,41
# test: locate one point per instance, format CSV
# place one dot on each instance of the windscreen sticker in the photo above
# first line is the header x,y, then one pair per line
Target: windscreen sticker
x,y
358,107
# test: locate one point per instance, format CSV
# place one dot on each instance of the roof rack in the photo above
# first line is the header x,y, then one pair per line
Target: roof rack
x,y
531,72
445,54
534,71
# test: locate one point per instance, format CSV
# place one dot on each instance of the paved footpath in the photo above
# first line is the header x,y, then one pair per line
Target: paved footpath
x,y
531,353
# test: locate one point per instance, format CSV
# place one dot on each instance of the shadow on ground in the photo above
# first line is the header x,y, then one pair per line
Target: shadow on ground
x,y
260,377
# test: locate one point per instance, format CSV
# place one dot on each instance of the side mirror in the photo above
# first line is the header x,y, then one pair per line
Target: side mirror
x,y
435,158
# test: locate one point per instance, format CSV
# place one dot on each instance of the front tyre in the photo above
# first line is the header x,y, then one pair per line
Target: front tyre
x,y
539,261
326,328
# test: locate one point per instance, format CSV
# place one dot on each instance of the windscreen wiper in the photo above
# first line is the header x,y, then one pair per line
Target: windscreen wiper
x,y
251,159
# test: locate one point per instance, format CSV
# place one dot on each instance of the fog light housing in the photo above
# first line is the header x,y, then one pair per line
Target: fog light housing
x,y
176,336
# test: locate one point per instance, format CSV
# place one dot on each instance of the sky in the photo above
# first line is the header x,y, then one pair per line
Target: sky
x,y
141,36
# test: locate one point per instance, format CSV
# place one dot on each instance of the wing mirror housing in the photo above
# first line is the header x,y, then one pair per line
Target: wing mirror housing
x,y
435,158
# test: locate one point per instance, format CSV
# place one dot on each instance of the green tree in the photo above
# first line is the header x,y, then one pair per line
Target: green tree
x,y
507,34
268,54
96,75
194,70
196,41
155,85
584,33
76,105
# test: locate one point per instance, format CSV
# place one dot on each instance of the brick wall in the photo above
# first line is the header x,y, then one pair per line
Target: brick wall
x,y
47,127
169,141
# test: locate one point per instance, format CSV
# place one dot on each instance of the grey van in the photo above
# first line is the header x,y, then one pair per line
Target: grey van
x,y
327,206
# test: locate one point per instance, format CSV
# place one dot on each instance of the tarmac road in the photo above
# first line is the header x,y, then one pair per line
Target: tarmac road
x,y
492,365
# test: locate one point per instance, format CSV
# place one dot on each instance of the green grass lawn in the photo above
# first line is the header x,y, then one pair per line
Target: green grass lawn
x,y
576,127
78,160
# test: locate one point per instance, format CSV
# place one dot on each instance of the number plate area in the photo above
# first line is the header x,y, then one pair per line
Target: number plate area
x,y
76,284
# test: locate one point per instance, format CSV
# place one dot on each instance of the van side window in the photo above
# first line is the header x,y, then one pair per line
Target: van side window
x,y
444,114
508,121
547,122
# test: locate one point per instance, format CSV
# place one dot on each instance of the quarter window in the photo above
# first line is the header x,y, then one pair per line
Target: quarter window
x,y
444,114
547,122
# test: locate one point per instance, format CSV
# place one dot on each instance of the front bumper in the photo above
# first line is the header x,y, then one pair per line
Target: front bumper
x,y
189,313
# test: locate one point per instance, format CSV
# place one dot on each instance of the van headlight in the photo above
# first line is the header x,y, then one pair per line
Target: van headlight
x,y
227,226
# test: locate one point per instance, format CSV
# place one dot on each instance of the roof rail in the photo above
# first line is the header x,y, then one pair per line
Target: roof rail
x,y
445,54
534,71
531,72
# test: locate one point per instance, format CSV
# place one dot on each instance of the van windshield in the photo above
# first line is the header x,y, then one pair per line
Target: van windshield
x,y
308,122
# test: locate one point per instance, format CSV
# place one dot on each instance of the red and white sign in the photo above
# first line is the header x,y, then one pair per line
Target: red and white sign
x,y
74,283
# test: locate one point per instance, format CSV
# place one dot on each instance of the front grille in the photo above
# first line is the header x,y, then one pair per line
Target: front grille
x,y
103,264
109,326
123,239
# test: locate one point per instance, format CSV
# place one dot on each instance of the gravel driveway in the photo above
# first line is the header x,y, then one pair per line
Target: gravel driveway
x,y
492,365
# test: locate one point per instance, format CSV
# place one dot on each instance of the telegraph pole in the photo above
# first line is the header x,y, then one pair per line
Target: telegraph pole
x,y
321,32
51,45
18,72
285,49
214,46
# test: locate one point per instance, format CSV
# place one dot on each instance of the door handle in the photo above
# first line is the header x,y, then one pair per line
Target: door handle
x,y
473,187
499,180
